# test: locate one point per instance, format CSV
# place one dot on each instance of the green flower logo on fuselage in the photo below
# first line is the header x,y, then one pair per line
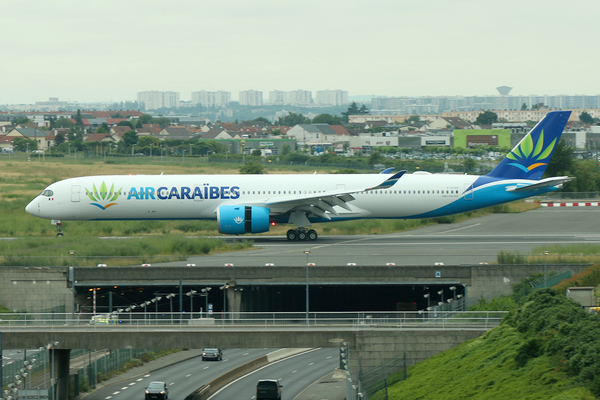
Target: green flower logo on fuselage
x,y
529,154
104,196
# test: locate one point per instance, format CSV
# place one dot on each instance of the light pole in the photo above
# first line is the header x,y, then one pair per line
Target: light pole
x,y
224,289
441,293
170,297
545,275
205,294
426,295
453,288
72,279
307,253
191,294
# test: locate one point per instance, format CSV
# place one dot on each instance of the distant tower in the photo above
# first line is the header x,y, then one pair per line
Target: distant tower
x,y
504,90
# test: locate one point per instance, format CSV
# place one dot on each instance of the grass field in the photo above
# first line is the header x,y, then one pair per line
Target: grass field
x,y
21,180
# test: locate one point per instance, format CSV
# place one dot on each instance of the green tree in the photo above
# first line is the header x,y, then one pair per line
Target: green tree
x,y
469,164
523,107
59,139
256,152
293,119
375,158
562,160
413,119
79,119
327,119
104,128
354,110
252,168
23,144
486,118
162,122
63,122
262,119
130,138
586,118
587,177
21,120
285,150
126,123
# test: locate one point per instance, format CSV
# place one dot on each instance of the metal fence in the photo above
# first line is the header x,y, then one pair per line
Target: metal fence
x,y
437,318
95,365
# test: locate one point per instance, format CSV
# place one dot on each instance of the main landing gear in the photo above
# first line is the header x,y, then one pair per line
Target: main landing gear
x,y
302,234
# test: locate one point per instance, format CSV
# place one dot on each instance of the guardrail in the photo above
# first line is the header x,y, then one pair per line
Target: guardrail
x,y
243,320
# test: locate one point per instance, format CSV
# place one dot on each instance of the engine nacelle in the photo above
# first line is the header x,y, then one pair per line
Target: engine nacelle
x,y
237,220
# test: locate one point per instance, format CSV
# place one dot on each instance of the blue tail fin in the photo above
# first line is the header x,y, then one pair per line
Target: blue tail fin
x,y
529,158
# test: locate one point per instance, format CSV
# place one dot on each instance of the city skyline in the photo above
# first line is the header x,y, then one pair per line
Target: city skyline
x,y
108,51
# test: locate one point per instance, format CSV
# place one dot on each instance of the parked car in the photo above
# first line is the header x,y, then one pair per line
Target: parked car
x,y
157,390
268,389
212,354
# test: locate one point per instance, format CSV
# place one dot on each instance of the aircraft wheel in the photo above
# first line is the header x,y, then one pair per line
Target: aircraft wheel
x,y
60,234
301,235
292,234
312,235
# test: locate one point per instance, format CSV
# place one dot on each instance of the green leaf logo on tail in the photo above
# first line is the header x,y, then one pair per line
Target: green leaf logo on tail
x,y
103,198
529,154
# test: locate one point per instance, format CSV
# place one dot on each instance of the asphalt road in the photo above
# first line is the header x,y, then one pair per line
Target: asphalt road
x,y
182,378
295,373
468,242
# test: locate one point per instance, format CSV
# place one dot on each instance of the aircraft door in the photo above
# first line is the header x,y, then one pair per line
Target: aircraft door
x,y
468,193
75,193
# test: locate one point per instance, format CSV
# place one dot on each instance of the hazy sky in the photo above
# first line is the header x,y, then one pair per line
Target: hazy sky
x,y
111,49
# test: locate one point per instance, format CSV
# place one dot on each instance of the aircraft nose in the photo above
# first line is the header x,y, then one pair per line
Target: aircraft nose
x,y
33,207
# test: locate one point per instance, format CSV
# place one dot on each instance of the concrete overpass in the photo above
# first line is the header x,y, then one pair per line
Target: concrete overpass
x,y
369,344
37,289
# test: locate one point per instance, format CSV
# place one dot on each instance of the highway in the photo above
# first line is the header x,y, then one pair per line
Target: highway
x,y
295,373
182,378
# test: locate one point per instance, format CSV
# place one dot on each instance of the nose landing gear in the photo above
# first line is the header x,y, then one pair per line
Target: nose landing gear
x,y
59,229
302,234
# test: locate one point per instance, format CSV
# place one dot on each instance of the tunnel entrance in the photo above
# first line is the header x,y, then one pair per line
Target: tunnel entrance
x,y
272,298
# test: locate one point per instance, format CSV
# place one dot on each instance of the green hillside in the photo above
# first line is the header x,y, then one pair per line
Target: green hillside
x,y
549,348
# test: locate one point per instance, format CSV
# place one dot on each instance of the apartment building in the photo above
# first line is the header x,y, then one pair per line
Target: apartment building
x,y
205,98
251,98
332,97
300,97
153,99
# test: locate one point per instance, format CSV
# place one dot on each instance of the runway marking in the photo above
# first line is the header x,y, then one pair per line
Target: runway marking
x,y
460,229
188,375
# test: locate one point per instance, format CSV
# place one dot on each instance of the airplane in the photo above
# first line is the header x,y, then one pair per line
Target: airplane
x,y
253,203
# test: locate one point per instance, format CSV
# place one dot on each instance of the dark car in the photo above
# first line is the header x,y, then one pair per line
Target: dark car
x,y
267,389
157,390
212,354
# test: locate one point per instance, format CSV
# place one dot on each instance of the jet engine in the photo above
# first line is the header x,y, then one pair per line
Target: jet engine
x,y
237,220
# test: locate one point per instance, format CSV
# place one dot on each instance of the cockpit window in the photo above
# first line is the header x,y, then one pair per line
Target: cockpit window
x,y
47,193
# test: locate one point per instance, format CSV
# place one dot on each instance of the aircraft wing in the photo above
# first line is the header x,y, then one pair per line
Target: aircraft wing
x,y
321,203
554,181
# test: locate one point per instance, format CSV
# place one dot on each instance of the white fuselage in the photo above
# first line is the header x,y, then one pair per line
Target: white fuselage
x,y
155,197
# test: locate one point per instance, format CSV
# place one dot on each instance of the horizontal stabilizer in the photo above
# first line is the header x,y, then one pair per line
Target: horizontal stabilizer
x,y
555,181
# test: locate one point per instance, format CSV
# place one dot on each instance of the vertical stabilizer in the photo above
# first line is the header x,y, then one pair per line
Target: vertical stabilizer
x,y
529,158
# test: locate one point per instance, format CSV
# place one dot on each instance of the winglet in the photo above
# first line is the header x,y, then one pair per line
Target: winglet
x,y
529,158
389,182
387,170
